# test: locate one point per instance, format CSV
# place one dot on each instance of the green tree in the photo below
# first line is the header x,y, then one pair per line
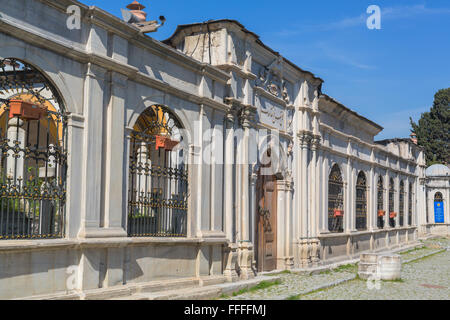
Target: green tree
x,y
433,129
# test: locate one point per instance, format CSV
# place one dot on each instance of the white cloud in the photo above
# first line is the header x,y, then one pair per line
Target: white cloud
x,y
387,13
347,59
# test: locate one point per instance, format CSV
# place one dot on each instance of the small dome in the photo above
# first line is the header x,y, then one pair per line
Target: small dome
x,y
437,170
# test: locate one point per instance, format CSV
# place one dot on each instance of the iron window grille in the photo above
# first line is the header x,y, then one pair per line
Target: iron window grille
x,y
361,202
158,180
33,163
402,203
438,197
335,200
410,197
391,203
380,203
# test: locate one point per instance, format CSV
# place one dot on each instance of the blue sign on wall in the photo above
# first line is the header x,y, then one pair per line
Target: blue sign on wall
x,y
439,212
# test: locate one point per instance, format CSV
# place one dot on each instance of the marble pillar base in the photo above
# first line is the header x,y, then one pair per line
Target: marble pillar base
x,y
231,258
245,261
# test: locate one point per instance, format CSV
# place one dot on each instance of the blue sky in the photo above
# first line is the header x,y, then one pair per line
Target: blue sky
x,y
385,75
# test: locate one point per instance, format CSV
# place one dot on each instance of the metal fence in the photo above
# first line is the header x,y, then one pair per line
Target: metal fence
x,y
380,203
335,201
410,196
158,184
401,211
391,203
361,202
33,162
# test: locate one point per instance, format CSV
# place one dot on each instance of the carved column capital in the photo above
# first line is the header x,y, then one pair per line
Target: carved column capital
x,y
305,138
247,117
315,142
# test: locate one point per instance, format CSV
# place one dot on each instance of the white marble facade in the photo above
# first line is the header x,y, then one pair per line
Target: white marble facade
x,y
234,97
437,187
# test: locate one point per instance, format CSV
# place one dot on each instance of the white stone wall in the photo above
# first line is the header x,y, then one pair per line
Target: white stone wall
x,y
230,93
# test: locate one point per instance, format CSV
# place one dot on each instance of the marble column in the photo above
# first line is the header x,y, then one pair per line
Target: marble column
x,y
386,200
94,106
288,227
281,187
245,246
372,203
115,159
305,247
314,212
228,177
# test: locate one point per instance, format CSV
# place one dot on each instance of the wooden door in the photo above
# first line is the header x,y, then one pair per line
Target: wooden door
x,y
266,224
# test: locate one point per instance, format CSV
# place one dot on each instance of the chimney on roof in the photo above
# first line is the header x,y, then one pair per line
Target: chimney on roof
x,y
137,9
136,16
413,138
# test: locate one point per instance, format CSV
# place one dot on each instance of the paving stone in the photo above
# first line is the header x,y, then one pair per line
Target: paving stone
x,y
425,275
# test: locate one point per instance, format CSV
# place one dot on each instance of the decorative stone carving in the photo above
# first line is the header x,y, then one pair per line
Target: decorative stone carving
x,y
290,120
271,79
274,113
285,93
315,142
305,138
247,117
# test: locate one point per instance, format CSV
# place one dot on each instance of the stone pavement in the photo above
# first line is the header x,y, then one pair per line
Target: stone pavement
x,y
294,284
425,275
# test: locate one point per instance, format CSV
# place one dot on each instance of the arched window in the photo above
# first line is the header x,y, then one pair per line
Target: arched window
x,y
335,200
402,203
380,203
158,180
33,163
392,213
410,197
361,202
438,208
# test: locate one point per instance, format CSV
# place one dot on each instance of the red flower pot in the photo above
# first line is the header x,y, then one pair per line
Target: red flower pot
x,y
338,213
392,215
25,110
381,213
165,143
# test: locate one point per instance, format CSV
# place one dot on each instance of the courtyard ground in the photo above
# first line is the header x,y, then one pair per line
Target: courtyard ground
x,y
425,275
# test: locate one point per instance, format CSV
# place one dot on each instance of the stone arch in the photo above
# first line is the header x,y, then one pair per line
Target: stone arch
x,y
178,113
338,165
51,72
439,203
158,177
438,196
34,153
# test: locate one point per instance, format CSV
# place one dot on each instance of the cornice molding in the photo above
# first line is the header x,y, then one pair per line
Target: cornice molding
x,y
132,73
375,147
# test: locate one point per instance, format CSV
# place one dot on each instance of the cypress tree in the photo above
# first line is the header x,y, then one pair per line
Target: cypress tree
x,y
433,129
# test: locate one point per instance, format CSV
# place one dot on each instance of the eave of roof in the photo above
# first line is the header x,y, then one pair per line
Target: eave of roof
x,y
245,30
373,124
385,142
